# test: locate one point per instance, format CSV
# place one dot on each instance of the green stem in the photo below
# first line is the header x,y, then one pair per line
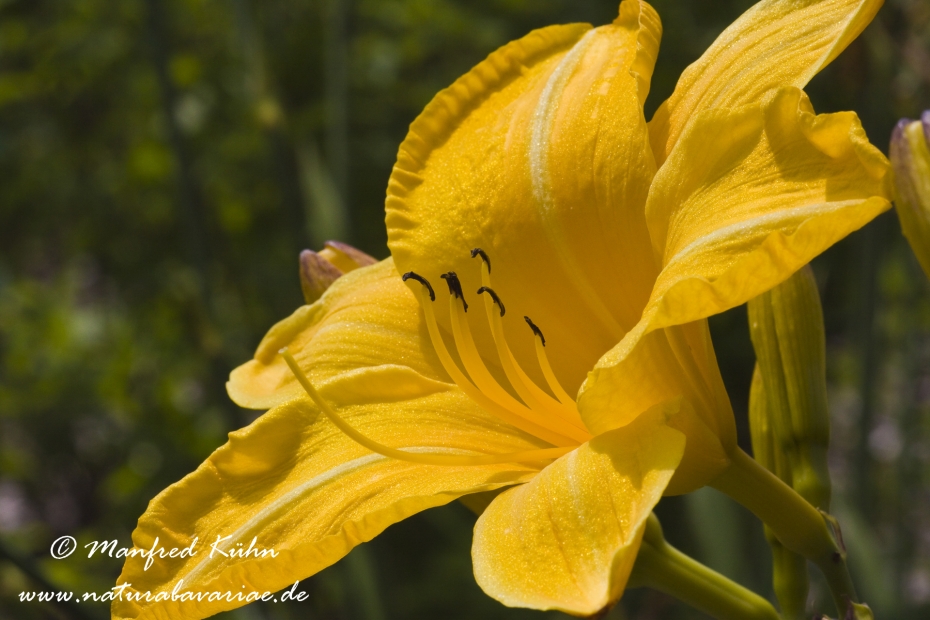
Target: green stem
x,y
789,578
799,526
662,567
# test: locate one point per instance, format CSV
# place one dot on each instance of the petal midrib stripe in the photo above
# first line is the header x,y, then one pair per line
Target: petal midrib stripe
x,y
538,161
286,501
748,227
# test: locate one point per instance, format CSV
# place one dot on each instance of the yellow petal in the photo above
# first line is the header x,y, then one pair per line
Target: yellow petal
x,y
776,43
367,318
296,484
750,196
747,198
567,539
540,156
675,362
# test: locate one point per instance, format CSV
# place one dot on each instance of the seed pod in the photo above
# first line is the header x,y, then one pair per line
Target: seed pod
x,y
910,157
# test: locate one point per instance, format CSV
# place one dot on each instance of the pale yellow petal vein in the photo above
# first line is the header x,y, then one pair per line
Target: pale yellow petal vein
x,y
272,511
538,160
750,228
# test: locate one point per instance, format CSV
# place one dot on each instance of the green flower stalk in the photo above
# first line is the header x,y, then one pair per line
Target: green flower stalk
x,y
910,157
662,567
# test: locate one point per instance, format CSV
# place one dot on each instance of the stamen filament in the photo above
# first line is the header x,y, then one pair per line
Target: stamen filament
x,y
485,267
414,457
531,394
508,416
543,360
525,387
474,365
567,401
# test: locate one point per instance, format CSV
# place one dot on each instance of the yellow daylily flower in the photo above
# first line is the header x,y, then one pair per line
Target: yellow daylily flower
x,y
617,236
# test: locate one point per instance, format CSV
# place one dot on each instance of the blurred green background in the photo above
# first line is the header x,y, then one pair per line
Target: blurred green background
x,y
162,163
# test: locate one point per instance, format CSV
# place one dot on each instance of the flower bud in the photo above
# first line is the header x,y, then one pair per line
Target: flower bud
x,y
910,157
786,325
318,270
788,415
790,578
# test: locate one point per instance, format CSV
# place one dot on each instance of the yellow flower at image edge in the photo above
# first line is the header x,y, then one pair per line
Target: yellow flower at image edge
x,y
616,237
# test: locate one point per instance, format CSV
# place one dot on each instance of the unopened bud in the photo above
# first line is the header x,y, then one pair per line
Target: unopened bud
x,y
760,428
786,325
318,270
790,578
910,157
788,417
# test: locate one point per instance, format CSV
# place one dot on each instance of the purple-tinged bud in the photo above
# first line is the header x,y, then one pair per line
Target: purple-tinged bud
x,y
345,257
910,157
318,270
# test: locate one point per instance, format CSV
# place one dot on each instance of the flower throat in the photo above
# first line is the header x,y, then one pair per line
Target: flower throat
x,y
554,420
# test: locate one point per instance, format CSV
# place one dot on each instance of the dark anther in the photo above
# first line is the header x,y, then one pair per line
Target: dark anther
x,y
536,330
497,300
484,257
421,280
455,287
837,557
